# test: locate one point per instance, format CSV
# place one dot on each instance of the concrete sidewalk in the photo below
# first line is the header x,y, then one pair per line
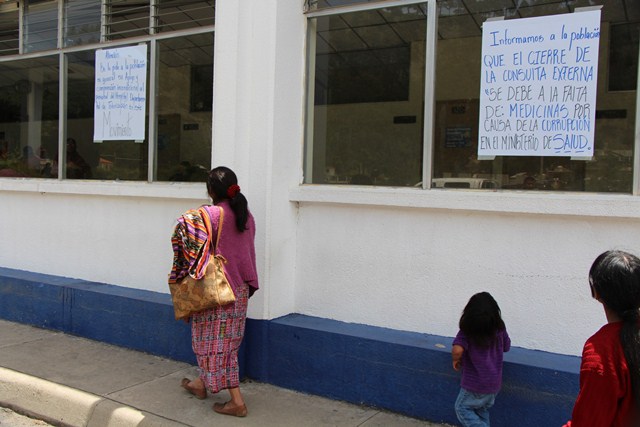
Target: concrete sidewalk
x,y
71,381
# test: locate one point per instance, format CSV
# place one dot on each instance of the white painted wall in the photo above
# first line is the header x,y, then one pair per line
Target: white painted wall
x,y
258,106
414,268
405,259
121,235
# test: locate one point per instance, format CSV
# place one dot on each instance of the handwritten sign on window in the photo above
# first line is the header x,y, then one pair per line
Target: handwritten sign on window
x,y
538,86
120,94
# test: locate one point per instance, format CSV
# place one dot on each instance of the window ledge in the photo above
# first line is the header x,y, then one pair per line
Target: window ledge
x,y
164,190
502,201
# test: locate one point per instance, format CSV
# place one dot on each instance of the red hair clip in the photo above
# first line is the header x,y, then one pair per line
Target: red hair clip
x,y
233,190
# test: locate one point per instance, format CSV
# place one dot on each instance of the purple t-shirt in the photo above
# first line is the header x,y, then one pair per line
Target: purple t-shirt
x,y
482,366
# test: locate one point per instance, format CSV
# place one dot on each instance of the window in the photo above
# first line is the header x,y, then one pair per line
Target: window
x,y
370,120
9,29
366,102
623,56
40,25
126,19
175,15
457,103
38,139
29,129
82,22
184,115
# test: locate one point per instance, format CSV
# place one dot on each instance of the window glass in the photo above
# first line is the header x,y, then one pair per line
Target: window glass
x,y
185,94
366,97
180,14
623,56
82,22
124,160
29,117
126,18
82,155
324,4
9,29
41,26
457,103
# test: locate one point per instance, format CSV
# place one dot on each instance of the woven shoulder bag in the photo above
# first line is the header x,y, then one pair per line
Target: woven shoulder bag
x,y
212,290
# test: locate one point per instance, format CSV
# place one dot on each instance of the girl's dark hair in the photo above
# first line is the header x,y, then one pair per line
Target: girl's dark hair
x,y
218,183
615,280
481,319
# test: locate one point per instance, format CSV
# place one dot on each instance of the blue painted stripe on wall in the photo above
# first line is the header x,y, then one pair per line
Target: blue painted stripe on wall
x,y
131,318
405,372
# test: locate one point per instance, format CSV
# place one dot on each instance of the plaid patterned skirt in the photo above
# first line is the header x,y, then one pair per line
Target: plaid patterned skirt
x,y
216,335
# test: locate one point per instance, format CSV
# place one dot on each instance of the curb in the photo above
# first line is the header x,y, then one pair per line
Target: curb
x,y
67,407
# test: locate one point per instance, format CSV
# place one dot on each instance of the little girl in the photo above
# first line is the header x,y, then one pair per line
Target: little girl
x,y
478,349
610,370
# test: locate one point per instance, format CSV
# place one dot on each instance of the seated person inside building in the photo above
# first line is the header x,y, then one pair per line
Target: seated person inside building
x,y
77,167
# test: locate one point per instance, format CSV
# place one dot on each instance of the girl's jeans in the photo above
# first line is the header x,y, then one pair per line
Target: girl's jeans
x,y
472,409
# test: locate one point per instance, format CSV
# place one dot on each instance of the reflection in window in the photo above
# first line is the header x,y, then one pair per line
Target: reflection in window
x,y
29,117
367,97
185,94
457,102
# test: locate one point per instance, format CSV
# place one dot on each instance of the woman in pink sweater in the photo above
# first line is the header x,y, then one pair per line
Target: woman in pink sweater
x,y
217,333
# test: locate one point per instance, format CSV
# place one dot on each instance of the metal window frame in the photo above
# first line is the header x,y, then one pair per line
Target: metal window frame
x,y
429,79
635,185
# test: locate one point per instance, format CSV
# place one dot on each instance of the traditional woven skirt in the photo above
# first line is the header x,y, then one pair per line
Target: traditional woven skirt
x,y
216,335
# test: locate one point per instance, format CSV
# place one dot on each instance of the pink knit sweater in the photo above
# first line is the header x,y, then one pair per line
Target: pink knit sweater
x,y
237,247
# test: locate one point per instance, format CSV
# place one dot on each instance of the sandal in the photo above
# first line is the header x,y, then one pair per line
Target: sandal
x,y
198,393
238,411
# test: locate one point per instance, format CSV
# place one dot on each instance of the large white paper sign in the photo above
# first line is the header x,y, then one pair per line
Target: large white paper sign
x,y
121,94
538,86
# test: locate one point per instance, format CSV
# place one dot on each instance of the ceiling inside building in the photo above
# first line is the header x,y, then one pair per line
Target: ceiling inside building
x,y
456,19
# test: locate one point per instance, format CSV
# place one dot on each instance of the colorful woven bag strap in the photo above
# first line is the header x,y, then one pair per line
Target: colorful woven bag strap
x,y
205,251
206,217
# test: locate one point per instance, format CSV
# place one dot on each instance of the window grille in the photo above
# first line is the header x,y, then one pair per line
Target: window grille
x,y
41,26
82,22
174,15
126,18
9,29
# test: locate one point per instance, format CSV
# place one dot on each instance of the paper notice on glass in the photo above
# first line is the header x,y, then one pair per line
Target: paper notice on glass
x,y
538,86
120,94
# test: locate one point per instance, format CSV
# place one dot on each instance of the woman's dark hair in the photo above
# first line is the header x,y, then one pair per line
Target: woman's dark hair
x,y
218,183
615,280
481,319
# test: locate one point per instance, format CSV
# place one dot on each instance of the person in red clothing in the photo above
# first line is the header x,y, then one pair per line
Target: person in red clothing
x,y
610,371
